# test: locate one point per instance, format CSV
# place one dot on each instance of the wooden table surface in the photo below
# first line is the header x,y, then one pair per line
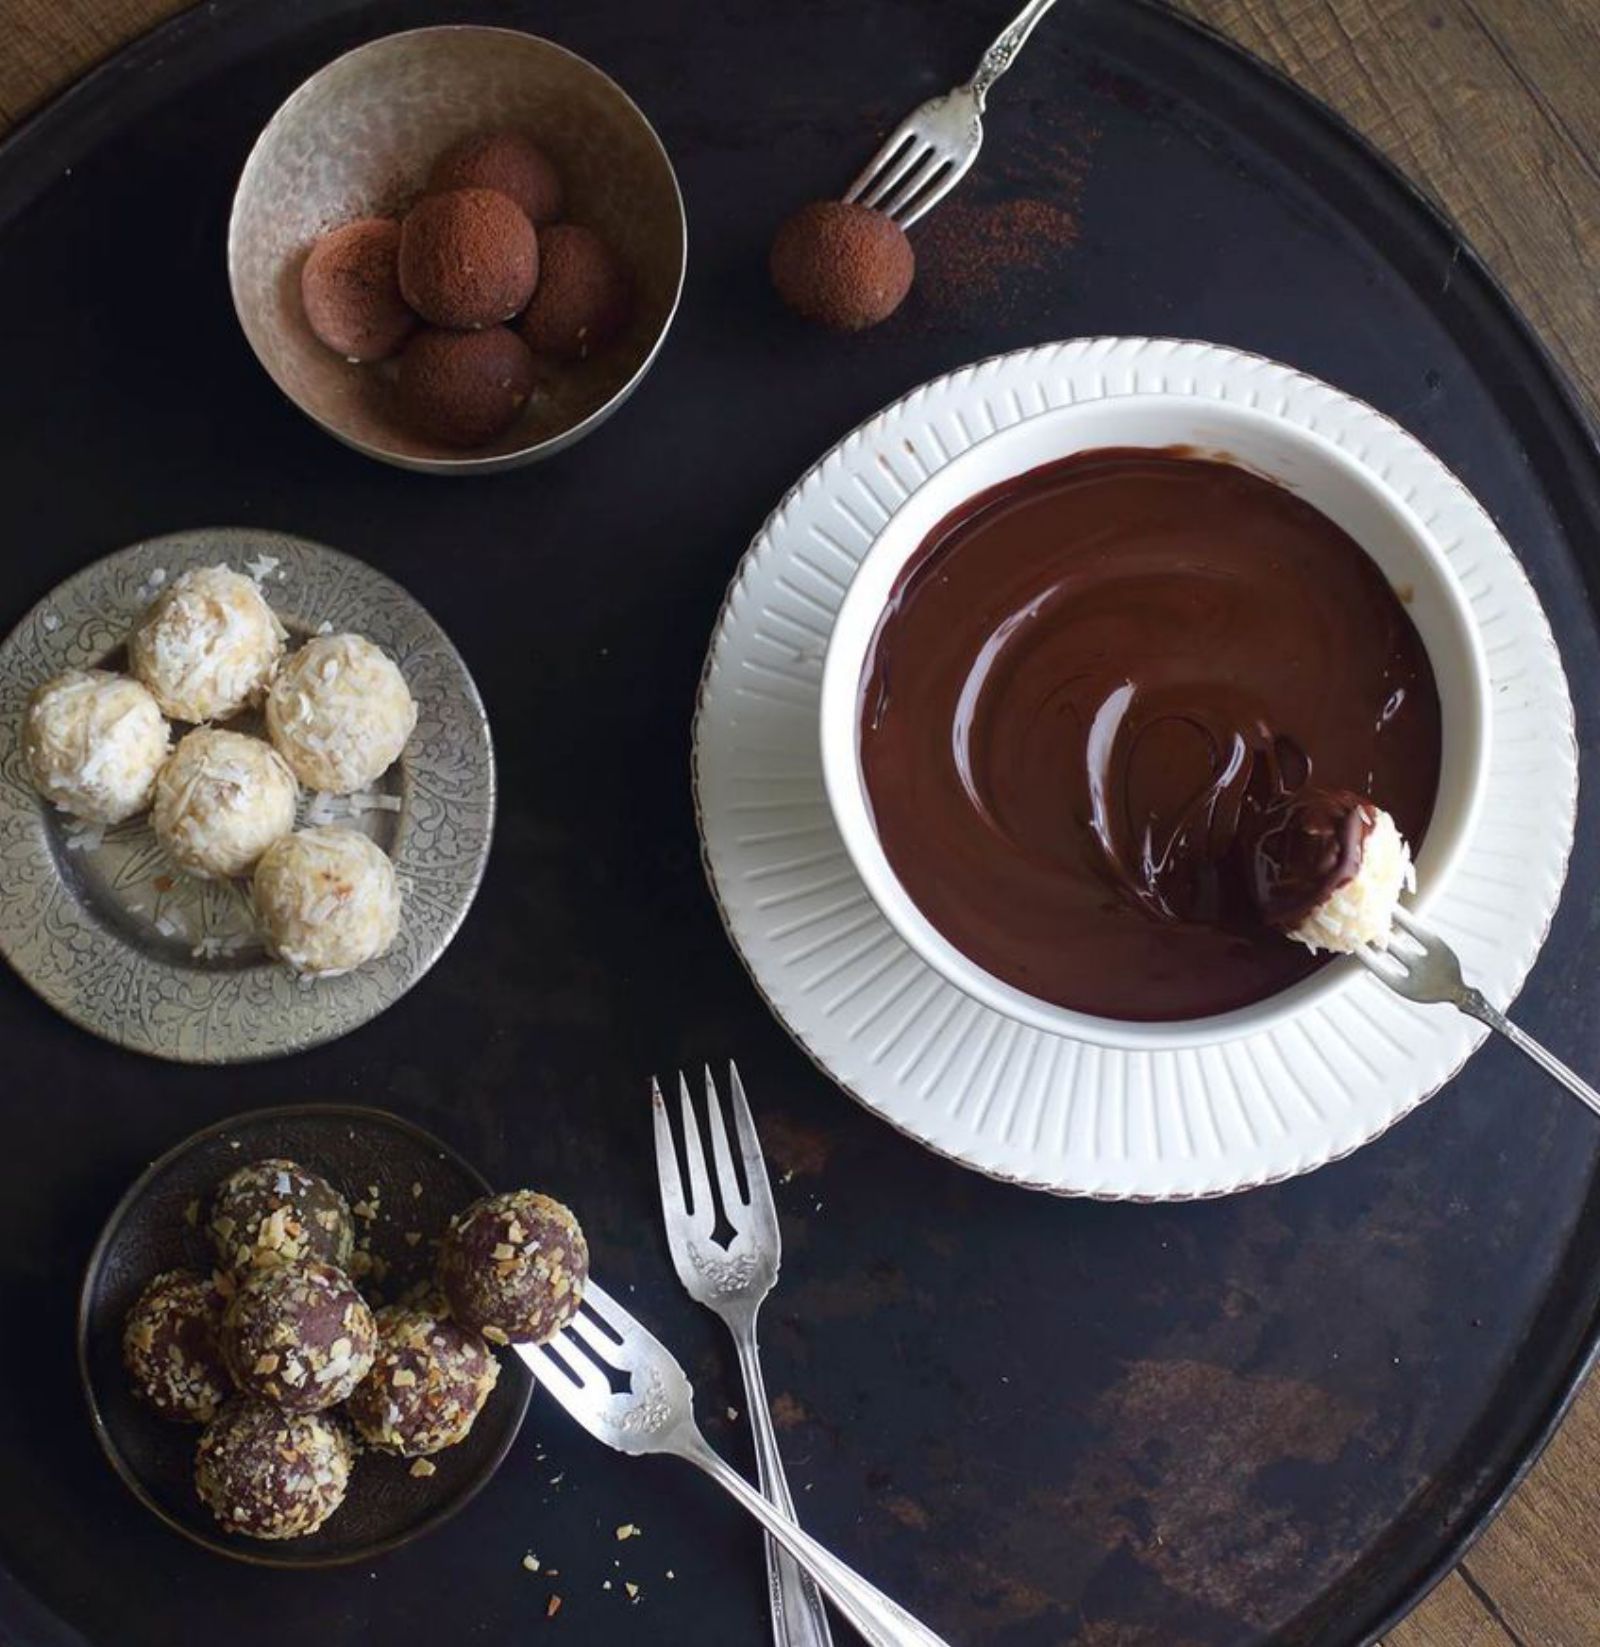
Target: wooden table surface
x,y
1493,106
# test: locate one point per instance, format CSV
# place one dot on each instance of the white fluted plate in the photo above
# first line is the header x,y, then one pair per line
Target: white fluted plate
x,y
1015,1102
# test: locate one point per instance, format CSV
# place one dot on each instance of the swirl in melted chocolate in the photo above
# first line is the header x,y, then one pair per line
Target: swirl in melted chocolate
x,y
1118,722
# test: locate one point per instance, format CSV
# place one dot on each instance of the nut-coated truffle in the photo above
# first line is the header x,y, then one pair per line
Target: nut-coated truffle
x,y
299,1335
428,1383
350,287
94,743
339,713
266,1473
505,161
220,801
513,1267
842,265
464,388
172,1350
468,258
584,296
328,899
208,645
276,1212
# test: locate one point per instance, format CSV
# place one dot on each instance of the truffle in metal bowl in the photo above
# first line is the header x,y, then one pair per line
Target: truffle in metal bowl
x,y
208,646
272,1474
328,899
350,287
171,1347
584,296
339,713
276,1212
507,162
463,388
428,1383
468,258
299,1335
513,1267
94,743
221,801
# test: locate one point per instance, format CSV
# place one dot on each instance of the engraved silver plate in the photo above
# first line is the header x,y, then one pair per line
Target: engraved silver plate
x,y
104,927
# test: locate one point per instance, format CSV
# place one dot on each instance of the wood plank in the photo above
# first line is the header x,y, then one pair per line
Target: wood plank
x,y
47,44
1453,1616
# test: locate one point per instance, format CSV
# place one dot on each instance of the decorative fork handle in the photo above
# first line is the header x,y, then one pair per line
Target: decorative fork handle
x,y
1474,1005
881,1622
798,1618
1003,53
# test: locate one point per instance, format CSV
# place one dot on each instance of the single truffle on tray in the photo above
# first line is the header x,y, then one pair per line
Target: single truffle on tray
x,y
468,258
221,801
842,265
507,162
171,1347
339,713
513,1267
464,388
267,1473
328,899
94,743
208,646
584,296
276,1212
350,287
299,1335
428,1383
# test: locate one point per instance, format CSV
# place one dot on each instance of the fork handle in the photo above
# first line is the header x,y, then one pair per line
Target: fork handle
x,y
880,1621
798,1617
1472,1002
1002,53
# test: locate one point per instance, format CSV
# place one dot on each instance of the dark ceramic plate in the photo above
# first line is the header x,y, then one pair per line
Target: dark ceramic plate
x,y
412,1183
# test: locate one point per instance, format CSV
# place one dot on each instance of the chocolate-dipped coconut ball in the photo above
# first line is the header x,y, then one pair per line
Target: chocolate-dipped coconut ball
x,y
842,265
464,388
94,743
513,1267
339,713
276,1212
350,287
468,258
299,1335
208,646
428,1383
266,1473
171,1346
328,899
221,801
507,162
583,298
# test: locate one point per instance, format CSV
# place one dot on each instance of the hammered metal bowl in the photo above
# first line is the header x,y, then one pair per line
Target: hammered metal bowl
x,y
357,139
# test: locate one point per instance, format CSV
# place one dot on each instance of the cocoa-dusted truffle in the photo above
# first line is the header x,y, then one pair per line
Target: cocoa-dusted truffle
x,y
428,1383
505,161
468,258
299,1335
171,1348
842,265
266,1473
513,1267
276,1212
464,388
350,286
583,298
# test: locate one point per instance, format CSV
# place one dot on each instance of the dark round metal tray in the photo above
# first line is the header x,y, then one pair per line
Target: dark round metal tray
x,y
1276,1417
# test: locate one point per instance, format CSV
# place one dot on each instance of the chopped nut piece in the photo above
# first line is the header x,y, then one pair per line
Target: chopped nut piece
x,y
627,1530
552,1607
423,1467
531,1562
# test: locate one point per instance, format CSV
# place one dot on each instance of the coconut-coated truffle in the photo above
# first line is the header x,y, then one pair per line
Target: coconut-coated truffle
x,y
350,288
842,265
584,296
94,743
299,1335
277,1212
513,1267
208,645
267,1473
428,1383
507,162
221,801
468,258
464,388
171,1347
328,899
339,713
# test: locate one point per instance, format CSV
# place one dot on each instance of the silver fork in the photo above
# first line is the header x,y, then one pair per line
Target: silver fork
x,y
733,1283
602,1346
1421,966
933,148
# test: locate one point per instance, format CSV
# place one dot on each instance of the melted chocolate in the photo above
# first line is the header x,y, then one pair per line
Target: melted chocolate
x,y
1108,717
